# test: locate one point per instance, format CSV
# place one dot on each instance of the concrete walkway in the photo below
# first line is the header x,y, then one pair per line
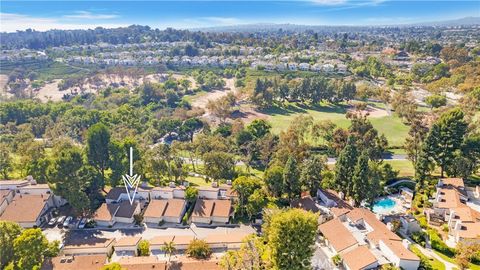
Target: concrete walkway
x,y
428,251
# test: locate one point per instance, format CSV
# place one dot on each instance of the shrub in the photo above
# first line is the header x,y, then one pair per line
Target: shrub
x,y
419,238
144,248
337,260
423,221
199,249
439,245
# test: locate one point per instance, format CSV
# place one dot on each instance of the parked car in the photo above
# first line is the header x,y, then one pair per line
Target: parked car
x,y
82,223
52,221
61,220
67,221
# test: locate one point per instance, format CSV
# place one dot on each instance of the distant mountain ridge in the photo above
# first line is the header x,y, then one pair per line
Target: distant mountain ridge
x,y
466,21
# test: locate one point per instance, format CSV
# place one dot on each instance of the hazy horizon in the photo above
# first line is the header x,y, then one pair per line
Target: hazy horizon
x,y
46,15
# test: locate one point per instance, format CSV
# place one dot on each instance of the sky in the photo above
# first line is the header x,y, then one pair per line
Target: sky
x,y
44,15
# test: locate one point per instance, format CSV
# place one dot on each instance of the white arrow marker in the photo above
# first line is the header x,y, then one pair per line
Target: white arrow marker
x,y
131,181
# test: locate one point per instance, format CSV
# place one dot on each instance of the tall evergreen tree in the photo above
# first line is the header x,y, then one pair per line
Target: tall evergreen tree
x,y
344,167
310,175
291,183
445,137
98,143
360,182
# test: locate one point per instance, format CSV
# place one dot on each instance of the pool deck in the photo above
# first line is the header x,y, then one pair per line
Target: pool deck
x,y
397,208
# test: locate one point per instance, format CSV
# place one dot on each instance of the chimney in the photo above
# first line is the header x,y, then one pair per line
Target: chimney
x,y
172,184
215,184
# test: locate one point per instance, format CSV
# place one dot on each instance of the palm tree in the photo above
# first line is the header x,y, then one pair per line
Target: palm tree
x,y
169,248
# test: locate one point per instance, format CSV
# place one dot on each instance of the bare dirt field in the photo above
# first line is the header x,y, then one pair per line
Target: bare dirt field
x,y
202,101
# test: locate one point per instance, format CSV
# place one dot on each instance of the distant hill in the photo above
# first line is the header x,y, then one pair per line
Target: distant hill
x,y
259,27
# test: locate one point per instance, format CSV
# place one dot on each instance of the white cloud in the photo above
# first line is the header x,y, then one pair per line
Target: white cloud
x,y
11,22
90,16
329,2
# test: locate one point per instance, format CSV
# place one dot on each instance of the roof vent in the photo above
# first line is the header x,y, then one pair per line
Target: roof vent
x,y
214,184
172,184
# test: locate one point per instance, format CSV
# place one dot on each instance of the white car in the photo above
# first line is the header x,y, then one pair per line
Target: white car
x,y
61,220
67,221
52,221
82,223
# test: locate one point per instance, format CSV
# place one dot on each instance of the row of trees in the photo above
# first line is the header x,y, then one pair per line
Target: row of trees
x,y
307,90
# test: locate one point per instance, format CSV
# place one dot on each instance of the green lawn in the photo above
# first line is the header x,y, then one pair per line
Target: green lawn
x,y
436,264
391,126
404,167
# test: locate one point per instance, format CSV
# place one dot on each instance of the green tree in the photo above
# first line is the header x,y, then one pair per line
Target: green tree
x,y
291,183
344,167
360,183
98,146
259,128
311,173
6,162
71,178
244,186
9,231
435,101
414,141
273,178
445,137
144,248
191,194
255,203
31,248
169,248
290,237
219,165
198,249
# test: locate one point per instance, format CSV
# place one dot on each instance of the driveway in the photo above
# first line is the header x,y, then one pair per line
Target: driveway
x,y
320,260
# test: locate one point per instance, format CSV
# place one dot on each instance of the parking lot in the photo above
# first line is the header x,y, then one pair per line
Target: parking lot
x,y
61,234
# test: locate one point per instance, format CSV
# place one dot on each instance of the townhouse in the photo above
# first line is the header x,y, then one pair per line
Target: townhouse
x,y
212,211
85,262
360,239
76,245
166,210
127,246
28,210
449,206
123,212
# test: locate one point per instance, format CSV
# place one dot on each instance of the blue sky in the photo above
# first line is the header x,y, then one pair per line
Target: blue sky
x,y
43,15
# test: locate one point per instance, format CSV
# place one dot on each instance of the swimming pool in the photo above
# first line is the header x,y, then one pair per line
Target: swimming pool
x,y
384,206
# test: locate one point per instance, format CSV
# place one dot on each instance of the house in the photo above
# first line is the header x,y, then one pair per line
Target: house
x,y
109,214
353,231
225,241
208,193
171,210
85,262
170,192
306,203
13,184
337,237
449,207
79,245
127,246
119,194
360,258
182,241
158,242
409,224
6,197
28,210
186,263
208,211
142,263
